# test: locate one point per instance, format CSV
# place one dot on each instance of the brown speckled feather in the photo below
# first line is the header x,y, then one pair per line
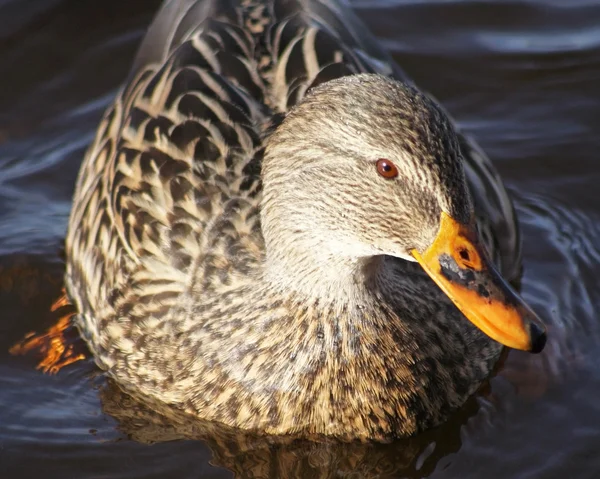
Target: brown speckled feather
x,y
165,245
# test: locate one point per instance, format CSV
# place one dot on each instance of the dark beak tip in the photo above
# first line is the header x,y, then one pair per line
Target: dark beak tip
x,y
538,338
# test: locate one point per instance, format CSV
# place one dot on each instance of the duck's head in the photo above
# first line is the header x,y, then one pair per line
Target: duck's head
x,y
367,166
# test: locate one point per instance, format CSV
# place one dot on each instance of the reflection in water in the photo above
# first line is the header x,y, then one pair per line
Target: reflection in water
x,y
250,456
520,76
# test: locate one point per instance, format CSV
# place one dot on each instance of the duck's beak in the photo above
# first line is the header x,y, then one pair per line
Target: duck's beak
x,y
458,264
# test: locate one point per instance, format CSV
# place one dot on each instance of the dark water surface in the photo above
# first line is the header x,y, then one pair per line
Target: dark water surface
x,y
522,76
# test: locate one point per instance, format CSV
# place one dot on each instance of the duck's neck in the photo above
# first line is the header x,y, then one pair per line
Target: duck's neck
x,y
310,268
308,250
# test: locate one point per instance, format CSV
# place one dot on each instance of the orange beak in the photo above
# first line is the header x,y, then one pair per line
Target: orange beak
x,y
459,266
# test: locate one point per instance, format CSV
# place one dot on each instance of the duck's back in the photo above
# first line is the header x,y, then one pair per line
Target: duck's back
x,y
170,188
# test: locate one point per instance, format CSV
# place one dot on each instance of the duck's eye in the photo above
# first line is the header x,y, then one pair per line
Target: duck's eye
x,y
386,168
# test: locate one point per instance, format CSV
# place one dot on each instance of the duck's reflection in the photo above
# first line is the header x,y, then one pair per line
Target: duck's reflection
x,y
251,456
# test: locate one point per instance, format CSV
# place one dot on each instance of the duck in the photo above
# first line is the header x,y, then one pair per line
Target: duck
x,y
275,230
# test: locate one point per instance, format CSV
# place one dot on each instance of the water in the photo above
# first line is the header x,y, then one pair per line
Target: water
x,y
521,76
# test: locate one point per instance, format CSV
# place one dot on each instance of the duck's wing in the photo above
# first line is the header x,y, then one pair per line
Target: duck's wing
x,y
172,176
176,22
309,42
298,43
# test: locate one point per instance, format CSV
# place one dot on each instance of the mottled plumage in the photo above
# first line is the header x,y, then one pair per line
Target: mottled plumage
x,y
200,288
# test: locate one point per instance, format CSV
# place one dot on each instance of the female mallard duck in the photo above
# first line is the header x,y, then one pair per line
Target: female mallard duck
x,y
245,227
